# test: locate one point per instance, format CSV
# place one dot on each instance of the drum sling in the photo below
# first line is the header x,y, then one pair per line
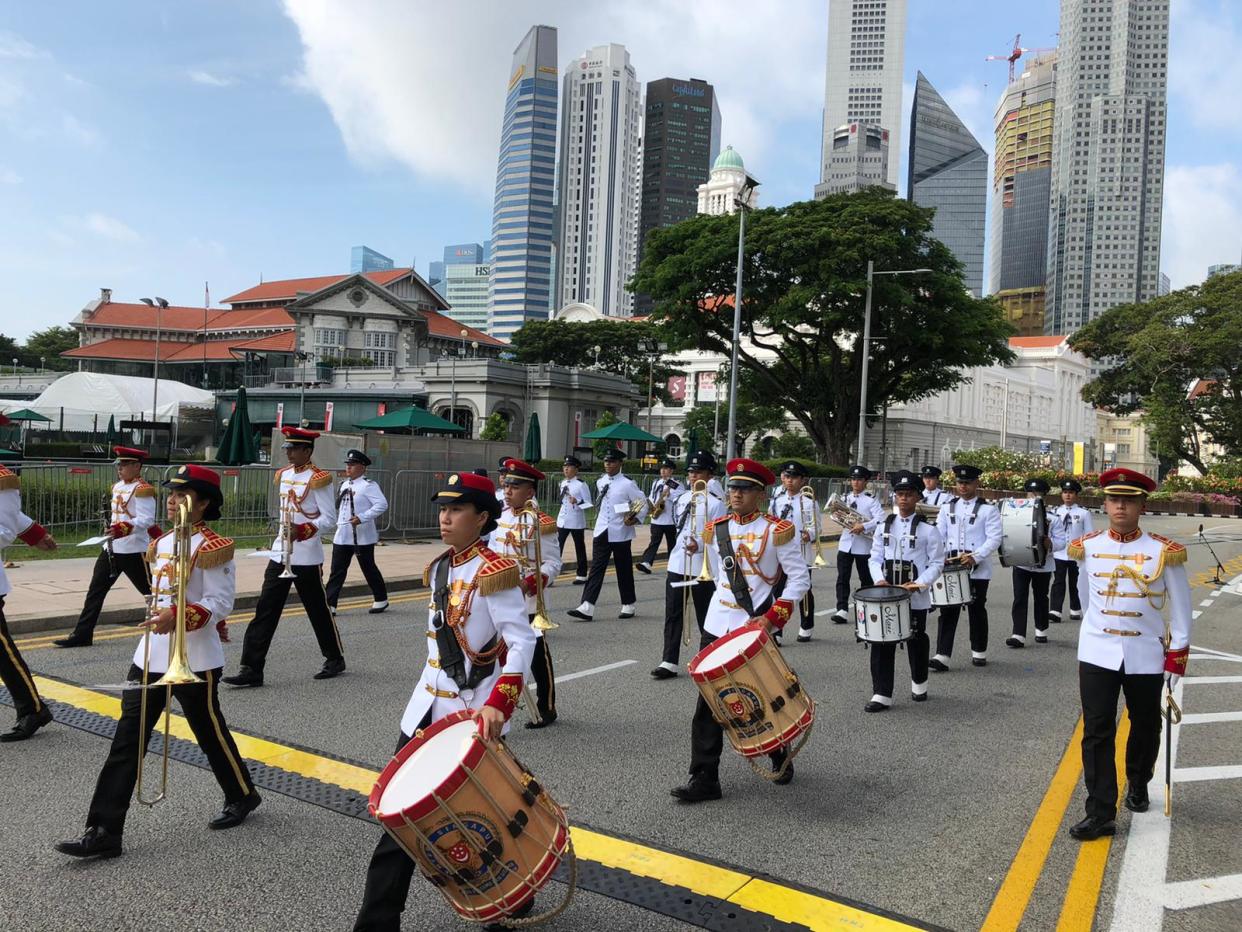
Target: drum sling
x,y
903,569
737,578
452,659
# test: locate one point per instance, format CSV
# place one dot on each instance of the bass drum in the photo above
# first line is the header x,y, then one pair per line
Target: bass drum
x,y
1024,532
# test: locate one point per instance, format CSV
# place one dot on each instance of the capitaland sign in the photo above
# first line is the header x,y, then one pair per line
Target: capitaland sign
x,y
689,90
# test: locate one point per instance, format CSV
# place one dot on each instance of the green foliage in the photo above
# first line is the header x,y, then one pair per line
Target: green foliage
x,y
824,470
805,287
600,447
753,420
1157,349
496,427
49,344
996,459
791,446
347,362
1227,467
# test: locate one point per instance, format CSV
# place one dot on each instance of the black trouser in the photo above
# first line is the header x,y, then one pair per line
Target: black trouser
x,y
388,876
341,555
659,532
1099,687
1025,581
107,572
845,562
976,611
309,582
806,610
15,674
545,678
707,737
674,599
1065,568
602,549
200,703
884,656
579,536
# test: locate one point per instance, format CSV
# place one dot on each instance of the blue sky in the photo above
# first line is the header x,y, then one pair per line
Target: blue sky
x,y
152,147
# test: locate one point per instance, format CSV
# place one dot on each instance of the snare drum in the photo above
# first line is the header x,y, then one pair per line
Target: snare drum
x,y
1024,528
752,693
952,587
882,614
474,820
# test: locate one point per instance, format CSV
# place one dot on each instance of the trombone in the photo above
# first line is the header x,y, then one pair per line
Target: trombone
x,y
698,495
810,521
527,527
177,570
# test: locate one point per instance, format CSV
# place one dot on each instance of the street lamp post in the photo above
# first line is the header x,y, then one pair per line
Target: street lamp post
x,y
159,304
14,368
461,351
860,450
740,202
42,364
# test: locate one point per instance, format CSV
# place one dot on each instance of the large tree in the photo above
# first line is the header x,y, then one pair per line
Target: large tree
x,y
48,345
1155,351
802,316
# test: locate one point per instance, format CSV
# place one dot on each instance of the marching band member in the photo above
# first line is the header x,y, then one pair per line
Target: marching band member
x,y
209,597
790,504
132,507
1126,578
1035,580
760,578
1075,522
514,538
909,553
854,547
306,491
479,644
663,491
614,532
32,712
571,518
689,513
356,533
933,494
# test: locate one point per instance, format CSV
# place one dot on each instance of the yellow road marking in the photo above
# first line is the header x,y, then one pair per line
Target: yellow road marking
x,y
1232,567
1015,891
1083,894
745,890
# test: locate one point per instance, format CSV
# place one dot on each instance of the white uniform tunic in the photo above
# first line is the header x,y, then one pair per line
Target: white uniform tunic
x,y
1124,585
611,492
869,507
715,488
369,502
133,508
924,548
13,522
964,531
797,509
658,487
313,503
575,498
1075,522
936,496
511,540
208,596
763,562
500,614
707,509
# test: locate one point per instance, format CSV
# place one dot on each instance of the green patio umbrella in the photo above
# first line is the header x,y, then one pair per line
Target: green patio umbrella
x,y
110,436
532,452
238,446
25,414
411,419
622,431
692,444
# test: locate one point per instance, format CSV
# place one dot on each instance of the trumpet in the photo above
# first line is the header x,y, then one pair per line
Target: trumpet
x,y
810,523
178,672
930,512
841,513
636,509
286,537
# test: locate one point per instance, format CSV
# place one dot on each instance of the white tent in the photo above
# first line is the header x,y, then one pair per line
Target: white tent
x,y
88,399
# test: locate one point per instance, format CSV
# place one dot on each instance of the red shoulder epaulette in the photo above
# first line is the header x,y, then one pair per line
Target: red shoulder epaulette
x,y
722,519
547,523
1174,553
279,473
497,573
319,478
9,480
214,550
144,489
1075,550
427,569
782,531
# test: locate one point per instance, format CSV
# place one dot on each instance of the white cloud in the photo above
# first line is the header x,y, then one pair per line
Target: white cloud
x,y
1205,69
79,132
107,227
11,92
429,94
8,176
1202,220
209,79
14,46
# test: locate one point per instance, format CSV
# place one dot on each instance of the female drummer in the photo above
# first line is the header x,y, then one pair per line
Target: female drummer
x,y
908,553
480,643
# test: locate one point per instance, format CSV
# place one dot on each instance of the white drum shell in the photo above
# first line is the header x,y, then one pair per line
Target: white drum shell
x,y
1024,525
952,587
882,621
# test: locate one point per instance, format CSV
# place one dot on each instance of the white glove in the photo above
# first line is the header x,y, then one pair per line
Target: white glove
x,y
1172,679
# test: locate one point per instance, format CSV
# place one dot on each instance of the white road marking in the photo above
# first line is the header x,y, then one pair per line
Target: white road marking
x,y
1205,718
1216,657
1195,614
604,669
1217,653
1199,774
1206,603
1202,892
1196,680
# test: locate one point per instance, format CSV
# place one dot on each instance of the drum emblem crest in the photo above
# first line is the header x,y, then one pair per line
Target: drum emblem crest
x,y
454,853
746,710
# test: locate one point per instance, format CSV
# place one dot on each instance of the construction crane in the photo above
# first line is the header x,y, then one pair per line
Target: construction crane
x,y
1018,52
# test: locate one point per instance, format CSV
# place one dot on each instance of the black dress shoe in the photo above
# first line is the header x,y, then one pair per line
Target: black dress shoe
x,y
1137,799
1054,617
331,668
918,697
697,791
72,641
544,721
1041,639
778,761
979,661
662,673
939,666
234,814
625,614
579,580
1014,642
579,616
874,706
378,607
244,677
1092,828
643,568
839,617
27,725
96,843
520,913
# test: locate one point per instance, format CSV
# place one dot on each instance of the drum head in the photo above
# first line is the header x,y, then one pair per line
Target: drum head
x,y
881,594
727,648
428,767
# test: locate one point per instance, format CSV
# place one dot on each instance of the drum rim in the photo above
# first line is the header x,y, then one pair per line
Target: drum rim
x,y
543,871
737,661
785,737
891,594
445,789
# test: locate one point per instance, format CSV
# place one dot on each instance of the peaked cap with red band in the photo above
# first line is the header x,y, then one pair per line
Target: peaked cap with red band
x,y
1125,482
518,469
205,482
130,454
747,470
296,435
465,488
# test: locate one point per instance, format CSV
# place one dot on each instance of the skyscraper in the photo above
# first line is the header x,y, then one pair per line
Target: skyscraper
x,y
523,216
859,159
866,55
1021,180
366,259
949,171
598,181
1108,158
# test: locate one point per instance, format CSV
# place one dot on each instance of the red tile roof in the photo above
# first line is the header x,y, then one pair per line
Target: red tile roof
x,y
1036,342
181,352
289,288
441,325
275,343
143,350
118,314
